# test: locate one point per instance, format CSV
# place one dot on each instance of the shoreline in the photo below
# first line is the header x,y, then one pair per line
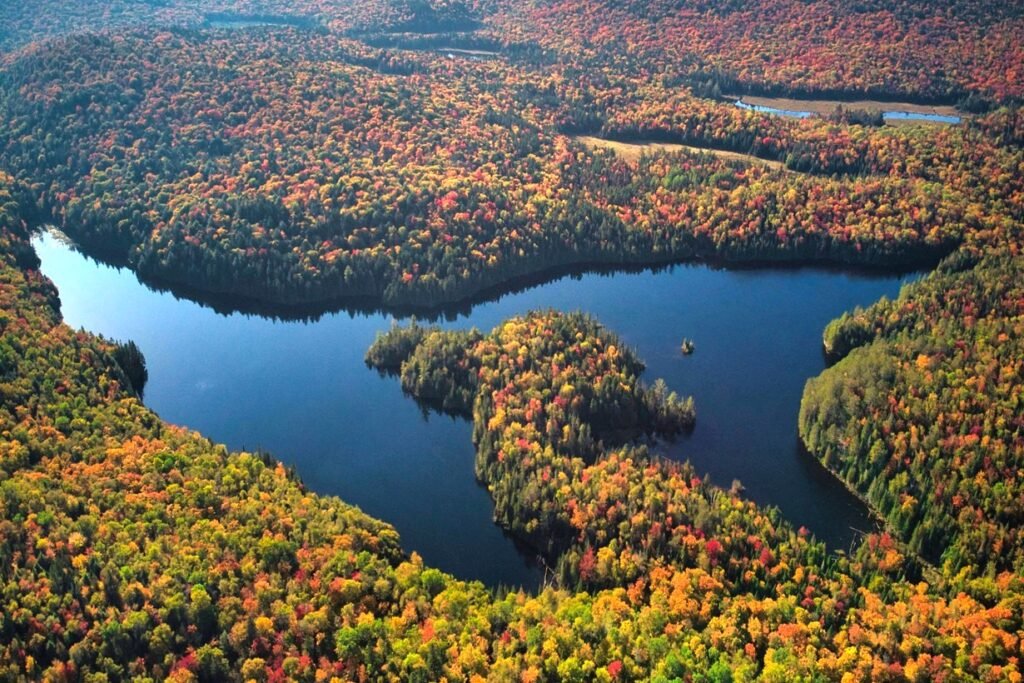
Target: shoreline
x,y
285,307
929,571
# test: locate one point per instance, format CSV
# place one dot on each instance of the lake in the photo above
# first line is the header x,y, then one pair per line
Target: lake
x,y
887,114
223,20
301,390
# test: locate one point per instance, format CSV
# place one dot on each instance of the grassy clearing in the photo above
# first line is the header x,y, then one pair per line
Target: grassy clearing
x,y
631,151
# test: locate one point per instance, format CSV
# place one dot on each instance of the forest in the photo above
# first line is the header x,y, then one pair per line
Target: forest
x,y
292,168
134,548
925,414
943,51
341,156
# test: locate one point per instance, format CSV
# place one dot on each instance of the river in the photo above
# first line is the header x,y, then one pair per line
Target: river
x,y
301,391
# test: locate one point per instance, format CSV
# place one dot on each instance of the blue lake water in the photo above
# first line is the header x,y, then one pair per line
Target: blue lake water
x,y
886,114
918,116
764,109
223,20
301,391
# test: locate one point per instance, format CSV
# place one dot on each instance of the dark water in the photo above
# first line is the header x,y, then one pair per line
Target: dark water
x,y
301,391
888,115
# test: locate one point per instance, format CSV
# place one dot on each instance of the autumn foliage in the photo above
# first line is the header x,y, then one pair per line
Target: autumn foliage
x,y
338,155
295,167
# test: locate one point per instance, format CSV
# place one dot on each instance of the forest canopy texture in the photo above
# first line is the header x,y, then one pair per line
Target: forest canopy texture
x,y
409,153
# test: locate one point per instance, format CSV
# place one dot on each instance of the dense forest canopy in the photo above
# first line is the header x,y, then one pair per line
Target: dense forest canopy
x,y
302,168
133,548
343,153
925,415
936,51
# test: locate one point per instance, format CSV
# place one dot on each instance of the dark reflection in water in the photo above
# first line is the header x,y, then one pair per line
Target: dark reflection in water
x,y
300,390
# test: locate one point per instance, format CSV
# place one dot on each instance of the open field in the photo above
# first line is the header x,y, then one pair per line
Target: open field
x,y
631,151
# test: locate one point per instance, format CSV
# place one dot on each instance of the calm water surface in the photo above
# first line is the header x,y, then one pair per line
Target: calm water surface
x,y
301,391
222,20
888,115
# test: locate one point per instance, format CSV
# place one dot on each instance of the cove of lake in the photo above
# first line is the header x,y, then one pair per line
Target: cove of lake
x,y
301,391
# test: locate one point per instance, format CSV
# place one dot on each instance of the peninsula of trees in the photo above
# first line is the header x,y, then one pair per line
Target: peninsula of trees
x,y
339,155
